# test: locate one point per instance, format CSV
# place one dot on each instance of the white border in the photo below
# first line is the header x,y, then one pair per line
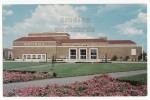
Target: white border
x,y
77,2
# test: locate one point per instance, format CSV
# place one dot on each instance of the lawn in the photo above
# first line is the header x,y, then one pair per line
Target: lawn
x,y
77,69
142,78
11,65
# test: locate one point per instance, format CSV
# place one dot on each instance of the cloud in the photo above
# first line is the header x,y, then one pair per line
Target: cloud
x,y
134,26
45,18
142,17
81,8
7,12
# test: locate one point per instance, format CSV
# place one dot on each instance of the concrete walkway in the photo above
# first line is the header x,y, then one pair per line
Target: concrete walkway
x,y
68,80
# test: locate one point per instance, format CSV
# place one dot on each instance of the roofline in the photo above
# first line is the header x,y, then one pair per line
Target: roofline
x,y
33,40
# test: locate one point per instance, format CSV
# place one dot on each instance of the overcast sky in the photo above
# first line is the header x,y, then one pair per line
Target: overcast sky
x,y
118,22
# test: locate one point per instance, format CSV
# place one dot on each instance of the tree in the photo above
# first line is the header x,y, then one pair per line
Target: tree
x,y
140,57
144,56
53,61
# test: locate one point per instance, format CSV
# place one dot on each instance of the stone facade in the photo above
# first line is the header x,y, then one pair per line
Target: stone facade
x,y
72,50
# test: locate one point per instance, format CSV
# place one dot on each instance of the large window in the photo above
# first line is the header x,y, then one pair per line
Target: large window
x,y
133,51
82,53
73,54
93,53
33,56
28,56
24,57
39,56
43,56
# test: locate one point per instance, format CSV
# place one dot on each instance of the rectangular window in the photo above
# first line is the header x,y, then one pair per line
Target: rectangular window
x,y
24,57
28,56
93,53
72,53
43,56
133,51
82,53
39,56
33,56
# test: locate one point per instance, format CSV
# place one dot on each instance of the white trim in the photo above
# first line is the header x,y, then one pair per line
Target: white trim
x,y
84,47
76,53
96,53
80,55
31,57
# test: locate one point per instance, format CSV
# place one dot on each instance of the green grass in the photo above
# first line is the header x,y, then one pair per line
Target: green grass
x,y
142,78
79,69
11,65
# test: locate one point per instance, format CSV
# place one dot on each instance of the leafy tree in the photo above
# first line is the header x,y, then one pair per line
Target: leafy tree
x,y
144,56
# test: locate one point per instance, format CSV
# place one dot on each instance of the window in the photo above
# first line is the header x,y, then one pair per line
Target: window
x,y
43,56
73,53
35,43
133,51
39,56
33,56
28,56
82,53
24,57
93,53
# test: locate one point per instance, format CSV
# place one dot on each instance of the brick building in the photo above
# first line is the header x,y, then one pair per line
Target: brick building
x,y
42,46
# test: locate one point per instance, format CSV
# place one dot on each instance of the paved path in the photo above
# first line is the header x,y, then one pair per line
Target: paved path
x,y
68,80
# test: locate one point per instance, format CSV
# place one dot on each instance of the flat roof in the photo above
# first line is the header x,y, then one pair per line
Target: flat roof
x,y
36,39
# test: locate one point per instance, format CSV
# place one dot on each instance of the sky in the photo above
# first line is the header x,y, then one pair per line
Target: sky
x,y
116,22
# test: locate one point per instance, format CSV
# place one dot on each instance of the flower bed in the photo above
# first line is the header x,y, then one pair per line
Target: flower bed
x,y
11,76
102,85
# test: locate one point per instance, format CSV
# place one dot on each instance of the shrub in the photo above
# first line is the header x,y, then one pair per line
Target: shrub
x,y
114,58
10,76
126,58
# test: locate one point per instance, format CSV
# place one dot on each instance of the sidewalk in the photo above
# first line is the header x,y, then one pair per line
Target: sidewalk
x,y
68,80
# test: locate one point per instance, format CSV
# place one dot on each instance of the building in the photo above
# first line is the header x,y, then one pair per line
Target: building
x,y
43,46
7,54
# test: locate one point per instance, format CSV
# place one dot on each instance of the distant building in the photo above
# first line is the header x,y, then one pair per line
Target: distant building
x,y
42,46
7,53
